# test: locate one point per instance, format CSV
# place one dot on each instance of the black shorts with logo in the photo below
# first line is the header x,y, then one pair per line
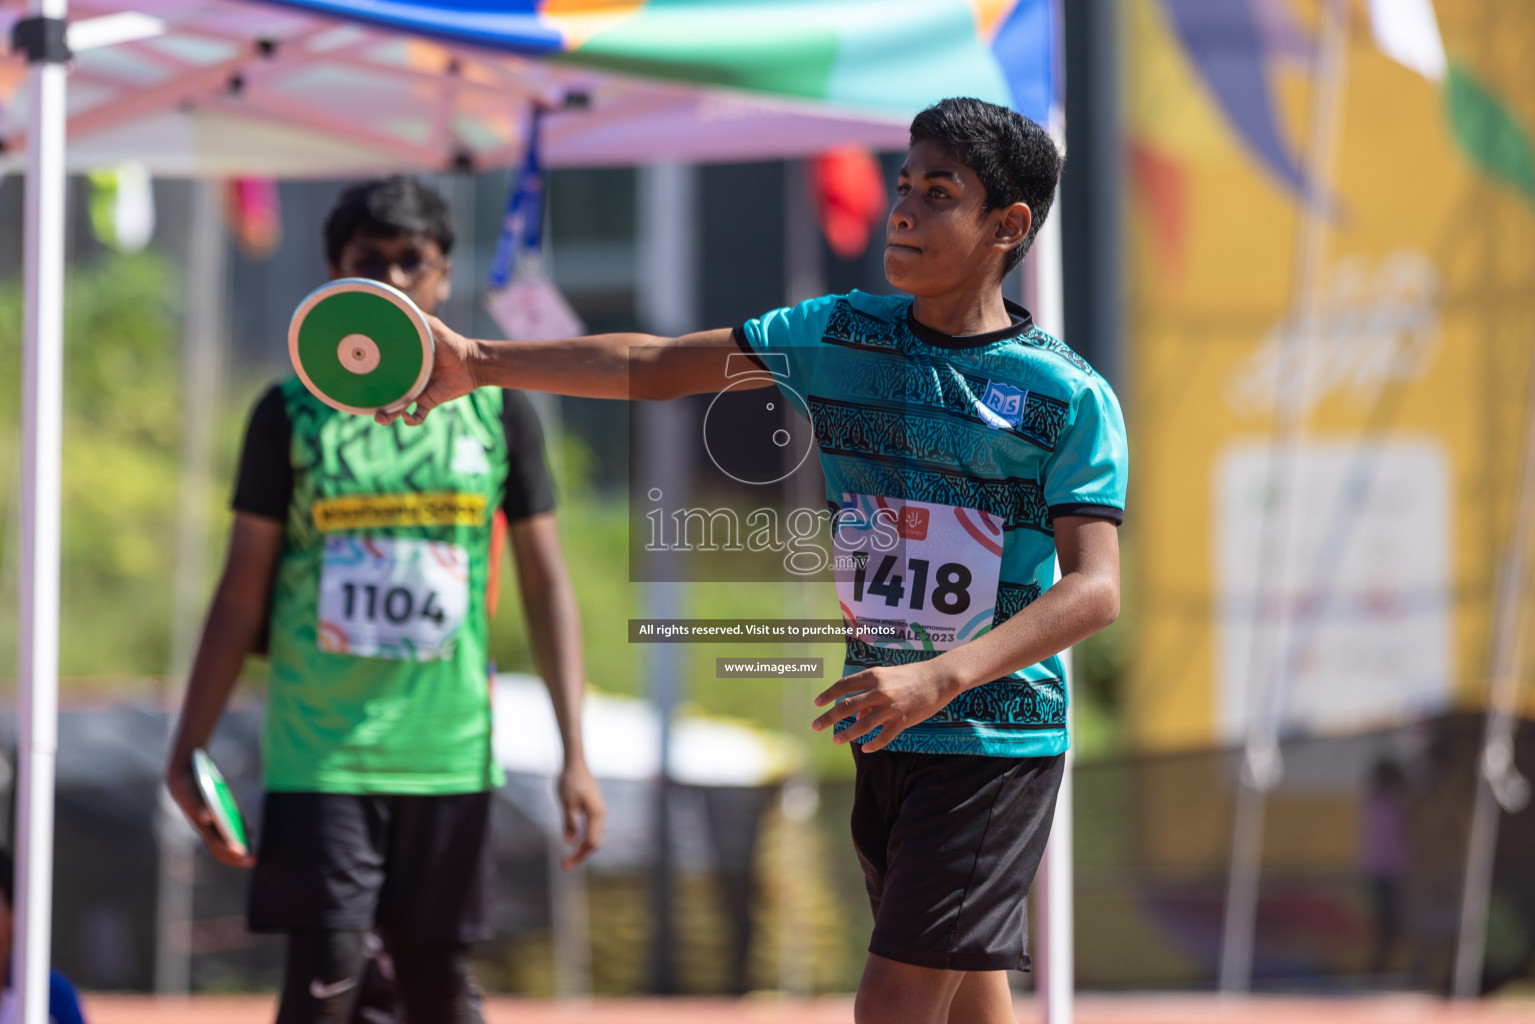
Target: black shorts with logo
x,y
949,845
419,868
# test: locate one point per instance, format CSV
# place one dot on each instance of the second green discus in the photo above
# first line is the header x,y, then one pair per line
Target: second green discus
x,y
361,346
220,800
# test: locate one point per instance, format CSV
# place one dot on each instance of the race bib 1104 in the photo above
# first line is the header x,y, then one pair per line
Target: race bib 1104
x,y
400,599
916,574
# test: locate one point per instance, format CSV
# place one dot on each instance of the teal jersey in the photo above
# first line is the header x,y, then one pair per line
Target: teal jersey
x,y
946,461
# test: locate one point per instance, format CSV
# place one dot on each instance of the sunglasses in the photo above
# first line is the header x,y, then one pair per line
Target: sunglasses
x,y
377,266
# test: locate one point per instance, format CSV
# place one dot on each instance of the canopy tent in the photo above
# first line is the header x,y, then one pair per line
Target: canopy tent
x,y
339,87
348,86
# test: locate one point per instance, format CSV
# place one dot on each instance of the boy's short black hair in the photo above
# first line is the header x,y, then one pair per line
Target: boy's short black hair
x,y
387,208
1015,158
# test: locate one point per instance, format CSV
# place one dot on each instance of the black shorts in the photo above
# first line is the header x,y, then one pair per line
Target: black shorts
x,y
949,845
419,868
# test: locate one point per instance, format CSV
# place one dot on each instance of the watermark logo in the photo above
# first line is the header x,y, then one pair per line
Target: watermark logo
x,y
911,522
795,533
746,434
753,506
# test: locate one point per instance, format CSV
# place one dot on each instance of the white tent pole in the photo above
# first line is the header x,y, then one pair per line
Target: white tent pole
x,y
1261,764
1055,969
667,304
1499,786
804,278
1057,960
42,428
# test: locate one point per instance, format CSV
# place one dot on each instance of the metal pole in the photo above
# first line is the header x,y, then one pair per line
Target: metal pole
x,y
1056,964
668,305
804,278
42,430
202,338
1092,184
1057,968
1499,786
1261,762
571,912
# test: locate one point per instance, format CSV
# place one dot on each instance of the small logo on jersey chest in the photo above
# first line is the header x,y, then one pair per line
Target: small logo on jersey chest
x,y
1001,406
469,457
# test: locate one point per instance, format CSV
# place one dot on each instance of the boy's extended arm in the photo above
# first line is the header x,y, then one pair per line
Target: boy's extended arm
x,y
597,366
1083,601
555,629
233,629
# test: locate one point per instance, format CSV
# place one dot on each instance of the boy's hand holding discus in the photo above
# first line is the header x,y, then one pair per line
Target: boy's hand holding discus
x,y
182,783
452,374
622,366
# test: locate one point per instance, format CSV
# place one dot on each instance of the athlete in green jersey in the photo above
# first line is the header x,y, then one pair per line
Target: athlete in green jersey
x,y
366,556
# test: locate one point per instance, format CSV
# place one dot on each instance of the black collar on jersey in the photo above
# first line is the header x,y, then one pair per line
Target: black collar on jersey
x,y
1022,323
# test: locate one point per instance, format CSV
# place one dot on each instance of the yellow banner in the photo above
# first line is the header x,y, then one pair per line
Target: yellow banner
x,y
379,511
1352,561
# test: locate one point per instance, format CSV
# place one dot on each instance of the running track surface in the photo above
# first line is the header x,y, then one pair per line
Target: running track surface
x,y
1129,1009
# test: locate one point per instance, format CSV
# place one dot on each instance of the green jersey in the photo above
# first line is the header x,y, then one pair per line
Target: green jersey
x,y
379,618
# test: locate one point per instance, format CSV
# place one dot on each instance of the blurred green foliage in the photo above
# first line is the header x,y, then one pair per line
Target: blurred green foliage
x,y
120,465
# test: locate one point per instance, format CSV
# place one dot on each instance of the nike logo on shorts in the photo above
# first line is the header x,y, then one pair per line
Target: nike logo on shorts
x,y
322,991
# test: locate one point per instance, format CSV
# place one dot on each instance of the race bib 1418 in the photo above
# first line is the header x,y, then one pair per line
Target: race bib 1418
x,y
400,599
916,574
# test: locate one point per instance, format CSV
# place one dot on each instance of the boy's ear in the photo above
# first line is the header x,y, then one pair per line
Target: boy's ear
x,y
1013,226
445,283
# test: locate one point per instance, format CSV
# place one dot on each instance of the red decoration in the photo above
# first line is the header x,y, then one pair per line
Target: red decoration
x,y
1160,181
850,198
255,218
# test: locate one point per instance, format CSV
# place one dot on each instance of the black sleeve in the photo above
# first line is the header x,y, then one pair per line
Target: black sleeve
x,y
529,490
738,335
265,482
1109,512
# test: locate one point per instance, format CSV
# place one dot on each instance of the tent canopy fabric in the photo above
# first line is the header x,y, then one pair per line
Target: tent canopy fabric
x,y
322,88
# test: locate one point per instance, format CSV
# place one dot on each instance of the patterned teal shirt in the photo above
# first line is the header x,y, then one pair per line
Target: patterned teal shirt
x,y
946,461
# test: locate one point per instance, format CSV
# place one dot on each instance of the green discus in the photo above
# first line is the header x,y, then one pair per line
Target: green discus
x,y
361,346
220,801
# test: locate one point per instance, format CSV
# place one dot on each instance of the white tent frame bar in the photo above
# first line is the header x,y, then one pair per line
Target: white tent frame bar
x,y
282,110
42,383
1055,966
208,88
1499,786
487,80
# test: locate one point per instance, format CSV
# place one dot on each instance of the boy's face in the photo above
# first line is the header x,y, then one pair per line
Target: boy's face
x,y
412,263
939,238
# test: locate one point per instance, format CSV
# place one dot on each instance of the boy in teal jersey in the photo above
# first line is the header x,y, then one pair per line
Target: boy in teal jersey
x,y
964,452
364,557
